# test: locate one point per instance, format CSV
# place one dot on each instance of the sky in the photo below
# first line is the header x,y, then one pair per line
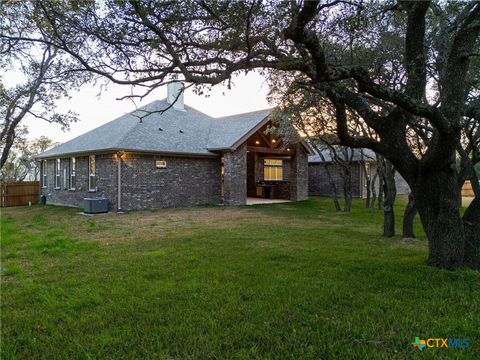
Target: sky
x,y
248,93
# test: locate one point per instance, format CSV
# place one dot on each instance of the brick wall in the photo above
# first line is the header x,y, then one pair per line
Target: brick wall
x,y
299,174
184,182
318,183
106,181
235,176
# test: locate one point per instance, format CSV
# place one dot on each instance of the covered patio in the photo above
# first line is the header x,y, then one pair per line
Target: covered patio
x,y
266,167
263,201
271,166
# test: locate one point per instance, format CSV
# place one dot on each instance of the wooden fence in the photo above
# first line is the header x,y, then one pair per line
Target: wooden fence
x,y
19,193
467,189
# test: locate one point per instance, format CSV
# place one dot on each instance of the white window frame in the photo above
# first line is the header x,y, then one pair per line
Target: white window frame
x,y
44,174
73,176
276,176
92,175
57,174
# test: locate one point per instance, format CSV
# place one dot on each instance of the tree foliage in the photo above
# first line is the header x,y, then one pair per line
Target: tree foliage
x,y
387,72
36,75
21,164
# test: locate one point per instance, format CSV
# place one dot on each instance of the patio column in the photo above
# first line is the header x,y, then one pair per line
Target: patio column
x,y
235,176
299,174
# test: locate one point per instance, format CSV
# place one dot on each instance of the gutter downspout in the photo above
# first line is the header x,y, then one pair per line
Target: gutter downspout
x,y
119,181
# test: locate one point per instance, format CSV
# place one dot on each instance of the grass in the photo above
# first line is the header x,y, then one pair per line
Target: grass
x,y
293,281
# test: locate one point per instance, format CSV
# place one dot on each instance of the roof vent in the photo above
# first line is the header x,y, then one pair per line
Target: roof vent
x,y
173,97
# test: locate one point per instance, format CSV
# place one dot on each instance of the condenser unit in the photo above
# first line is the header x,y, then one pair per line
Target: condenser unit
x,y
95,205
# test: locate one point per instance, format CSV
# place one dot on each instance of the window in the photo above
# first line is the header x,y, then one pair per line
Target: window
x,y
273,169
57,174
65,179
92,177
72,173
44,173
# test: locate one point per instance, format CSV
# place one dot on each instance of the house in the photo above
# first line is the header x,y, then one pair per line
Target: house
x,y
363,162
176,156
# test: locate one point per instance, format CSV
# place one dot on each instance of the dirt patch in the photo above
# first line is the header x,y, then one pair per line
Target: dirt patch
x,y
159,224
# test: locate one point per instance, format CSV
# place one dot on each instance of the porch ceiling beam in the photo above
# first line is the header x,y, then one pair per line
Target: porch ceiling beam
x,y
277,143
264,137
259,149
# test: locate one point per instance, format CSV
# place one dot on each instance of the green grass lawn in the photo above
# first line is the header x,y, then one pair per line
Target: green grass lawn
x,y
293,280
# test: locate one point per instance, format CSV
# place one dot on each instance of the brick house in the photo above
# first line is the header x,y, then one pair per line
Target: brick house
x,y
175,157
361,162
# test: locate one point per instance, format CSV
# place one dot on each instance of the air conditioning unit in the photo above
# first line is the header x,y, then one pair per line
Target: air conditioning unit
x,y
95,205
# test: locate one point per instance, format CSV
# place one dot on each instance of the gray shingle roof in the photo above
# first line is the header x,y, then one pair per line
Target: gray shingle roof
x,y
173,131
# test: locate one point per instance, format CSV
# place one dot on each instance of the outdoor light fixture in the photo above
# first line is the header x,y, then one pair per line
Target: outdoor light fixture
x,y
161,164
288,149
274,141
119,155
257,142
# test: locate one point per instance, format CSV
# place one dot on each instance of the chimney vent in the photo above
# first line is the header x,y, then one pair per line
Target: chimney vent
x,y
172,92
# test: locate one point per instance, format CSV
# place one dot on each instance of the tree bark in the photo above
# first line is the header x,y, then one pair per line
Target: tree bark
x,y
9,139
436,198
374,191
390,191
471,223
380,193
381,180
347,188
408,217
368,181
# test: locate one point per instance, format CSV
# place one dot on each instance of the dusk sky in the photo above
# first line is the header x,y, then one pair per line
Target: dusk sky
x,y
247,94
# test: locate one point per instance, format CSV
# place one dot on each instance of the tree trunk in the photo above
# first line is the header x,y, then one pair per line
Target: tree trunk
x,y
381,180
368,178
408,217
436,198
390,191
471,222
369,195
334,187
347,188
374,191
380,195
9,139
471,217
